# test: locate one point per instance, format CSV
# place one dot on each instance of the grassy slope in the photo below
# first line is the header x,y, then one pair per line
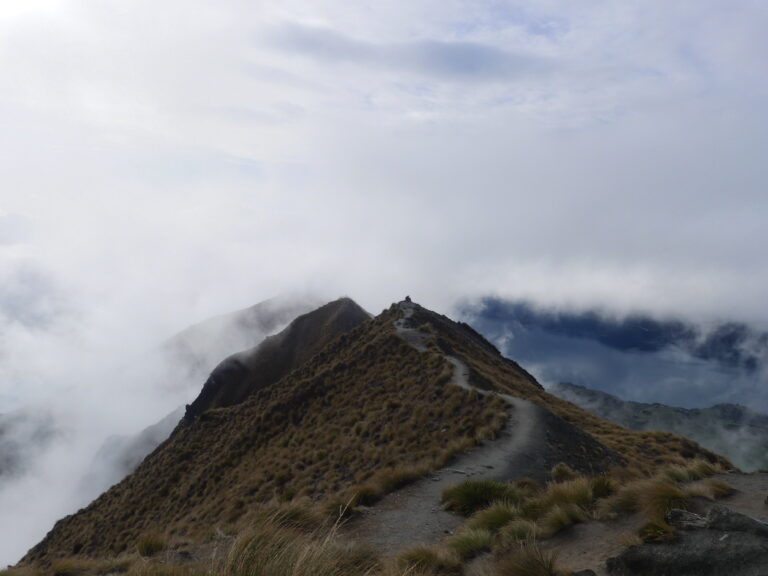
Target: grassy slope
x,y
644,451
239,375
367,402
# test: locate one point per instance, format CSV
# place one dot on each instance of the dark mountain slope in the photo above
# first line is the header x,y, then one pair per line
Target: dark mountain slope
x,y
192,354
378,398
240,375
735,431
200,347
489,369
366,403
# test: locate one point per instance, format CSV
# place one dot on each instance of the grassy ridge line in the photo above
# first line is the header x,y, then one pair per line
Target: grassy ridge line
x,y
643,451
367,403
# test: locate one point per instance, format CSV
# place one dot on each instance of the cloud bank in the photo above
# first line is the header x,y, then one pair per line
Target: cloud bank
x,y
166,162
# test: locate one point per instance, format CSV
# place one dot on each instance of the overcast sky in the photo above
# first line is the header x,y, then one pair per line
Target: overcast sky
x,y
166,161
162,162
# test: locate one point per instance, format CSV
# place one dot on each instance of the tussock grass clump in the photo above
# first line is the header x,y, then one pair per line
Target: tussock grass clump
x,y
90,567
677,474
473,495
602,486
690,472
559,517
653,497
577,491
158,569
470,542
387,481
429,560
623,502
703,469
151,543
517,531
273,550
709,488
657,530
562,472
659,498
301,514
494,517
529,560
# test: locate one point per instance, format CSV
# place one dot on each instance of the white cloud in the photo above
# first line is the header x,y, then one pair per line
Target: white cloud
x,y
174,160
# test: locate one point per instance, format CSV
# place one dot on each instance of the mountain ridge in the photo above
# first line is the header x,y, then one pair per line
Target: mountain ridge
x,y
736,431
363,408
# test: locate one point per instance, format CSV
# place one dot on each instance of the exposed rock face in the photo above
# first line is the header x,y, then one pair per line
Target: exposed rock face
x,y
722,543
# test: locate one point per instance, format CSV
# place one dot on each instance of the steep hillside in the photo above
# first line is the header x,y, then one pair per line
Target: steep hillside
x,y
193,353
120,455
366,403
735,431
490,370
196,350
397,394
241,374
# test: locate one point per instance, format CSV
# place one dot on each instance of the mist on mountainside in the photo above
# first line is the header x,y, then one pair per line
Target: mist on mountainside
x,y
736,432
59,452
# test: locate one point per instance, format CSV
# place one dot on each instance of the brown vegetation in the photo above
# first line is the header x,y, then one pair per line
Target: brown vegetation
x,y
367,410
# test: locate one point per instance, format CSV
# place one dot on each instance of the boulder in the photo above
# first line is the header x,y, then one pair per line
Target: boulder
x,y
722,543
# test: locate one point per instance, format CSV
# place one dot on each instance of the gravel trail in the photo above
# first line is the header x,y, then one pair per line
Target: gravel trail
x,y
414,515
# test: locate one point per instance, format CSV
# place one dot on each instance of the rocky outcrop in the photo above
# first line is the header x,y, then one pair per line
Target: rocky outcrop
x,y
722,543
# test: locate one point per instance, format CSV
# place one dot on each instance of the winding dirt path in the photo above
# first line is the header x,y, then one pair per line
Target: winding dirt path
x,y
414,515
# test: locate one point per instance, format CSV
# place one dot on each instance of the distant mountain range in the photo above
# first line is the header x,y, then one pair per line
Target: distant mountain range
x,y
735,431
637,357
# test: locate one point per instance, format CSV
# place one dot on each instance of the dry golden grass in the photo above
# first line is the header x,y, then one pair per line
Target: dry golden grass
x,y
528,560
164,569
363,416
368,411
643,451
426,560
672,487
494,517
517,531
562,473
151,543
89,567
470,542
472,495
273,550
709,488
